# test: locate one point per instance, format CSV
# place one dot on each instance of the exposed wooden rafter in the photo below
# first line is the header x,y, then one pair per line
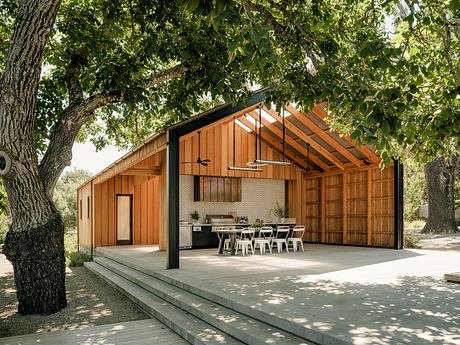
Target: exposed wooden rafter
x,y
291,142
277,146
374,158
316,146
324,136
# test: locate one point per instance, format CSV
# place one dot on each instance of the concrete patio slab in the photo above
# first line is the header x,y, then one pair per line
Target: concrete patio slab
x,y
359,295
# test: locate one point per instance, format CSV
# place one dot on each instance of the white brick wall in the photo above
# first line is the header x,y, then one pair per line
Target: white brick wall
x,y
257,199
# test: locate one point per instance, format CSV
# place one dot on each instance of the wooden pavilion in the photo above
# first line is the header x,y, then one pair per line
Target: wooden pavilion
x,y
334,188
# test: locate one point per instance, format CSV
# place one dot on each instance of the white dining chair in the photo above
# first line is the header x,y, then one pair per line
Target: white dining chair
x,y
280,238
245,241
296,238
264,239
227,240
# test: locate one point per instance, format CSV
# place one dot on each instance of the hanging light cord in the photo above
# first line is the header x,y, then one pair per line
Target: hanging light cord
x,y
260,132
284,132
233,140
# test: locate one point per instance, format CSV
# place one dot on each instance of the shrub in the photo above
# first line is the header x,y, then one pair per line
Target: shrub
x,y
70,241
4,225
411,241
74,259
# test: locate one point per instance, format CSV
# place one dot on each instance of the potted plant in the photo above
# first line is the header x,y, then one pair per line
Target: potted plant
x,y
195,216
280,212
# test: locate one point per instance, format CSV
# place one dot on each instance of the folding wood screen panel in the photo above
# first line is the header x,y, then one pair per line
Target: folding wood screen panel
x,y
355,208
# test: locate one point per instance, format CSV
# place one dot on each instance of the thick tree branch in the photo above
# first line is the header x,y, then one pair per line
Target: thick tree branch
x,y
73,83
59,152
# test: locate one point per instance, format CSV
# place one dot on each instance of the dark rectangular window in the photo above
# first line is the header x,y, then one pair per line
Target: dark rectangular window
x,y
89,207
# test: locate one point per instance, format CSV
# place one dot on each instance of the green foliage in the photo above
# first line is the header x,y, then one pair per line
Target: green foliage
x,y
398,91
70,241
395,88
3,200
280,212
73,256
415,193
4,226
195,215
74,259
65,197
411,241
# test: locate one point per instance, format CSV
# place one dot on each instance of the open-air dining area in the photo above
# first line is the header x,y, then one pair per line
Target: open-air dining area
x,y
241,195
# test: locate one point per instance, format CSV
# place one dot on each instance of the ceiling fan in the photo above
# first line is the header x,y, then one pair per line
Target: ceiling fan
x,y
204,162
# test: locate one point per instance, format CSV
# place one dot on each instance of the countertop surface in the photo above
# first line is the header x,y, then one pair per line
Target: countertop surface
x,y
238,224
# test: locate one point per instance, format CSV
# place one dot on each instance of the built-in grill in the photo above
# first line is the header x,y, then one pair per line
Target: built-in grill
x,y
217,220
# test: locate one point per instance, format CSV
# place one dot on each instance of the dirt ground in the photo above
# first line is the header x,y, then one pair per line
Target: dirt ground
x,y
90,301
438,242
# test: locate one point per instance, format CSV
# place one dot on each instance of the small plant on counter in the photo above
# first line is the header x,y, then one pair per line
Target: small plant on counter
x,y
195,216
258,223
280,212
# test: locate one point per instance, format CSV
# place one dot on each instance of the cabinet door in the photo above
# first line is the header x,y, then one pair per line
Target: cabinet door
x,y
214,188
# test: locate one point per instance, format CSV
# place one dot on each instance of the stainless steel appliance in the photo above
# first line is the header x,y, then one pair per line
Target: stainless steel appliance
x,y
185,235
217,220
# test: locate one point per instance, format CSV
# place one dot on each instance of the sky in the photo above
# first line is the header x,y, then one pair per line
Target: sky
x,y
84,156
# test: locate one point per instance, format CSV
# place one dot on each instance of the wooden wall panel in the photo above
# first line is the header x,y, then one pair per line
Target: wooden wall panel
x,y
383,207
145,212
334,209
217,145
365,211
84,217
357,207
312,193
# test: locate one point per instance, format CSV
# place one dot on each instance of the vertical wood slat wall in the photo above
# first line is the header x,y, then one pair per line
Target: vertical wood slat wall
x,y
145,212
217,145
363,215
84,217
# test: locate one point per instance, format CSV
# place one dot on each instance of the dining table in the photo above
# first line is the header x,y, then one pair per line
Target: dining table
x,y
231,233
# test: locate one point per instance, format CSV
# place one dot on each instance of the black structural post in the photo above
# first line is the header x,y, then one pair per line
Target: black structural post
x,y
172,197
398,204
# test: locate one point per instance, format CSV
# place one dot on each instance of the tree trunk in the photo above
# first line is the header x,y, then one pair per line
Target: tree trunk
x,y
441,203
35,240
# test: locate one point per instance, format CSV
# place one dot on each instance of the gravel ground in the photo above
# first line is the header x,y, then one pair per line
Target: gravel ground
x,y
90,302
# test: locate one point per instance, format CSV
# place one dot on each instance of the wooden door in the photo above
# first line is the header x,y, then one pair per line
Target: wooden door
x,y
124,219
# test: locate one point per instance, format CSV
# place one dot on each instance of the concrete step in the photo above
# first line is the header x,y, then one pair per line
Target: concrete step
x,y
310,334
237,325
189,327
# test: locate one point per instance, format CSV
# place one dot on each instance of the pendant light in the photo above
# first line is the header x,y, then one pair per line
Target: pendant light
x,y
260,161
236,168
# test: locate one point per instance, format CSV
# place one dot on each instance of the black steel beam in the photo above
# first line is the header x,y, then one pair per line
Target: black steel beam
x,y
172,166
172,197
398,205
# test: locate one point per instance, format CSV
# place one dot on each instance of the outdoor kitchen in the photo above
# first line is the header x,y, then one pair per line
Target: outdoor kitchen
x,y
252,202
